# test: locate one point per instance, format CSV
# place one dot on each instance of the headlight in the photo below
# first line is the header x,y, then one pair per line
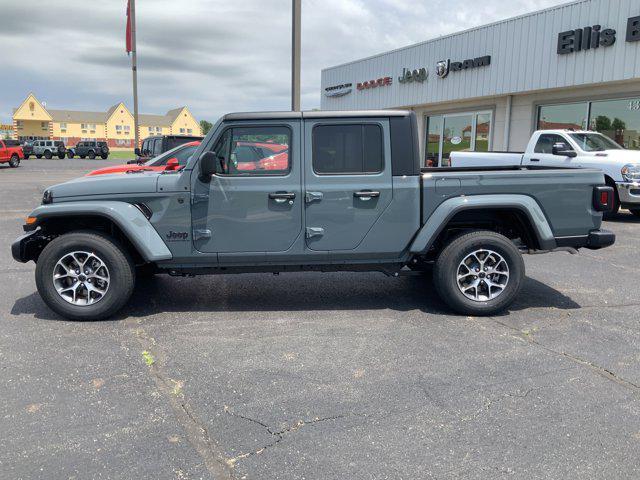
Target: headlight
x,y
47,197
631,172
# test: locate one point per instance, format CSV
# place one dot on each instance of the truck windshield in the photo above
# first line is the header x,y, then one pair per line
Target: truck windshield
x,y
594,142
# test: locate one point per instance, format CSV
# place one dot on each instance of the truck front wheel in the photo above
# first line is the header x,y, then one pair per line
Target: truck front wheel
x,y
14,161
479,273
85,276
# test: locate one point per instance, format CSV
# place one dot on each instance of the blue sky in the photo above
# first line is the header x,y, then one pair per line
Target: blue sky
x,y
214,56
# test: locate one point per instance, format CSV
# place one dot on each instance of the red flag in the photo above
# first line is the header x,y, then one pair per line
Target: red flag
x,y
128,26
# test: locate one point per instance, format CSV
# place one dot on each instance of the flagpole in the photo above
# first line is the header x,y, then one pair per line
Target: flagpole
x,y
134,68
295,54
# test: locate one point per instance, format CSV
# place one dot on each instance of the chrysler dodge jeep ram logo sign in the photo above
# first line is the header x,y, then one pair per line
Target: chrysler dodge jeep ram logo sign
x,y
444,67
593,37
381,82
410,76
338,90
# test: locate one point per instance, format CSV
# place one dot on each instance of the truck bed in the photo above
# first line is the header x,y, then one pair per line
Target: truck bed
x,y
565,195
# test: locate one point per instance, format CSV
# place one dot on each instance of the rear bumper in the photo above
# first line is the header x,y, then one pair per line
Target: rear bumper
x,y
596,240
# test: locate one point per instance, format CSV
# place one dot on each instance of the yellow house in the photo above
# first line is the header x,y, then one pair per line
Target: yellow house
x,y
32,120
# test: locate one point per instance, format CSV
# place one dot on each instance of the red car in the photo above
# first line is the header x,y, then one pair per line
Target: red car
x,y
11,152
174,159
253,156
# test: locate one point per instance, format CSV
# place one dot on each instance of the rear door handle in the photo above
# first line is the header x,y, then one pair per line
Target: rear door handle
x,y
281,197
365,195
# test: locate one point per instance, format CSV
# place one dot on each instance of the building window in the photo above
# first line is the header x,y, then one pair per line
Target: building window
x,y
182,130
127,129
189,130
569,116
454,133
83,126
347,149
618,119
43,124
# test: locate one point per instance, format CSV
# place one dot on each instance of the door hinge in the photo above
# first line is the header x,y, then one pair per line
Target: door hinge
x,y
199,197
198,234
313,196
314,232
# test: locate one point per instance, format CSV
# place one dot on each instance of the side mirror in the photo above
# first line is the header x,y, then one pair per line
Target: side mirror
x,y
563,150
137,151
172,164
207,165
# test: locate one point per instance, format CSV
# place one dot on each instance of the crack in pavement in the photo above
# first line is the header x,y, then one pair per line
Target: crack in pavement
x,y
598,369
196,432
278,435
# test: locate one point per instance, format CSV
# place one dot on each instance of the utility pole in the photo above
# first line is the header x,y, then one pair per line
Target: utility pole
x,y
295,54
134,68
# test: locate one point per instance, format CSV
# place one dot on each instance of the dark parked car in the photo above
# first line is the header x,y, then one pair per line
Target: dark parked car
x,y
27,148
91,149
154,146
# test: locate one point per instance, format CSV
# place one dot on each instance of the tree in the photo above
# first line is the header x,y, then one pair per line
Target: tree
x,y
603,123
618,124
205,126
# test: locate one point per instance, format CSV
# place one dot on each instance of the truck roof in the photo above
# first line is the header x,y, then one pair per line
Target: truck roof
x,y
316,114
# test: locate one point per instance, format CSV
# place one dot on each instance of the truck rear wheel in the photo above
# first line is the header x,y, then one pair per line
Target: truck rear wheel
x,y
85,276
479,273
14,161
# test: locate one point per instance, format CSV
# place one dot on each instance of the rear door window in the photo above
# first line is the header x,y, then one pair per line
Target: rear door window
x,y
348,149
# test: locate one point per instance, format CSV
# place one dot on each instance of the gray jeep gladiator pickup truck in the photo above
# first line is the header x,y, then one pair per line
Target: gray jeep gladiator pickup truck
x,y
311,191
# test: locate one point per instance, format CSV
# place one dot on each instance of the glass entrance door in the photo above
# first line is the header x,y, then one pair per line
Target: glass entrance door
x,y
456,133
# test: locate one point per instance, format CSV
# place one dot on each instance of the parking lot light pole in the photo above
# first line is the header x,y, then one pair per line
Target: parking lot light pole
x,y
134,68
295,54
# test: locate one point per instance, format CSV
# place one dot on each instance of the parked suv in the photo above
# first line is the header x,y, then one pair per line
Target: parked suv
x,y
154,146
91,149
49,148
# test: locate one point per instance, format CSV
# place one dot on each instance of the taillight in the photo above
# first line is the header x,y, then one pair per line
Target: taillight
x,y
603,198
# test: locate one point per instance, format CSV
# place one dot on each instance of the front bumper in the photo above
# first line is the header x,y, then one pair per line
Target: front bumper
x,y
26,246
628,192
596,240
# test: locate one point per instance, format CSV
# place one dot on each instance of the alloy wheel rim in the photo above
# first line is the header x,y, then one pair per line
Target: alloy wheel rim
x,y
81,278
482,275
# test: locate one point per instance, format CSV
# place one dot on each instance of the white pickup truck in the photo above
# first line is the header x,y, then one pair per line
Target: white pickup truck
x,y
567,148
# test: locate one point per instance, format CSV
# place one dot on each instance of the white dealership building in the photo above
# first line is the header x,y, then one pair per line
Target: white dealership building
x,y
576,65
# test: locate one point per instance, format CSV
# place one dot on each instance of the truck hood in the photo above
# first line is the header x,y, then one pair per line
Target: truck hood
x,y
621,157
130,183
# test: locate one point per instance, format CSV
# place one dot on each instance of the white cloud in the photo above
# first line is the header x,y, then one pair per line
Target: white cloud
x,y
213,55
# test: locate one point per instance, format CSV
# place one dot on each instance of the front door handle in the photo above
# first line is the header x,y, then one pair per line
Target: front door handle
x,y
366,195
281,197
535,159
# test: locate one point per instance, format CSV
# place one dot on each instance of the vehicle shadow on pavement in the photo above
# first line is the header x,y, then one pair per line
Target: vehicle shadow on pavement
x,y
293,292
623,217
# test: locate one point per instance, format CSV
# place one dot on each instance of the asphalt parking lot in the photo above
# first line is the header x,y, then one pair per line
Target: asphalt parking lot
x,y
321,376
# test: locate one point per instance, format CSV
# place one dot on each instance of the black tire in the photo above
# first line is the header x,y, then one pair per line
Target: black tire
x,y
121,273
48,155
635,212
14,161
26,156
91,155
69,154
445,273
104,156
38,156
